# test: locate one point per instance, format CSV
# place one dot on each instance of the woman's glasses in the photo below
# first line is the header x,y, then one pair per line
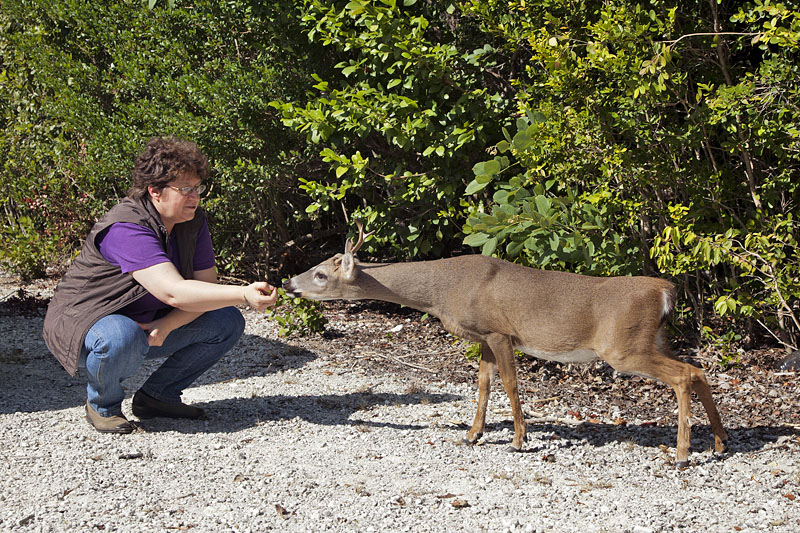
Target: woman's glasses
x,y
186,191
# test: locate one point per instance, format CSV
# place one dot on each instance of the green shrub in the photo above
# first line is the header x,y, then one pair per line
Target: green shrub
x,y
297,316
649,143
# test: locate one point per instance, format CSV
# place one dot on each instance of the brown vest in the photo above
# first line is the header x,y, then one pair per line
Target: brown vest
x,y
93,288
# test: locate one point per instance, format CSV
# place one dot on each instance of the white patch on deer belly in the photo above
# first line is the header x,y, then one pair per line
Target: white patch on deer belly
x,y
575,356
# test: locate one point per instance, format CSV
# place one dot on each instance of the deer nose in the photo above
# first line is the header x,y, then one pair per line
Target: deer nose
x,y
290,290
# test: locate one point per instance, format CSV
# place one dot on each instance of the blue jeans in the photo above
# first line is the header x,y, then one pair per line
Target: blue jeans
x,y
116,347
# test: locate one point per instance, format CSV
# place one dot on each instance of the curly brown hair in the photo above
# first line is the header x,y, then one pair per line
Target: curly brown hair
x,y
163,160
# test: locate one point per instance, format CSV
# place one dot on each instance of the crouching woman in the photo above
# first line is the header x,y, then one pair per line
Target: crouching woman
x,y
145,286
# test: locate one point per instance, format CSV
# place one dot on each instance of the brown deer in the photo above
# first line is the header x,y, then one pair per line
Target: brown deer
x,y
557,316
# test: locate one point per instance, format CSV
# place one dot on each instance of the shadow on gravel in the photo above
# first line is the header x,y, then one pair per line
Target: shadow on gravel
x,y
36,382
32,380
741,440
234,414
254,356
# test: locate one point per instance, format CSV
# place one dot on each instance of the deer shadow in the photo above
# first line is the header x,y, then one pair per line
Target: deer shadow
x,y
741,440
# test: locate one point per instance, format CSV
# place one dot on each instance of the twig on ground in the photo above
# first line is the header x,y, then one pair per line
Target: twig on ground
x,y
545,400
396,360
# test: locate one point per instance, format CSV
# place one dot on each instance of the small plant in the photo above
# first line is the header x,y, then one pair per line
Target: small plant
x,y
24,251
297,315
727,355
473,352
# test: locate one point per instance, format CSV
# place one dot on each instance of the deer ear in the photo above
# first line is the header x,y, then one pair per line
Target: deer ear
x,y
348,267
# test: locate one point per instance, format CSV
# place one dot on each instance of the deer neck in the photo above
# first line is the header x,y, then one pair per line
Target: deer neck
x,y
413,284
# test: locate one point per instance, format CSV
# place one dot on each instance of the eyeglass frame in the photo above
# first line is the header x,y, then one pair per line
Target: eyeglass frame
x,y
189,189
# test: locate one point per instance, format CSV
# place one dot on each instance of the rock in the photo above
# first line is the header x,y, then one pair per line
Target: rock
x,y
790,363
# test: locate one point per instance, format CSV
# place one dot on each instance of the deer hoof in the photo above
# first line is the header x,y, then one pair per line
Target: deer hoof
x,y
513,449
721,448
471,441
680,465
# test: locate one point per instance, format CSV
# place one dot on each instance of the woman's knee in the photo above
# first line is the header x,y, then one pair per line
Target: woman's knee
x,y
117,344
231,322
114,334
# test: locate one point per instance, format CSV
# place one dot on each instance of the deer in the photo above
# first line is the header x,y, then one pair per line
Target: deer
x,y
551,315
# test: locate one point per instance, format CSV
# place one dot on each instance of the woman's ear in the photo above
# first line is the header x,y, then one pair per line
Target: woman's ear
x,y
154,193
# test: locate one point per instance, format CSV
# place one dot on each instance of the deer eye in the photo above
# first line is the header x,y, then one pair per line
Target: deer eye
x,y
320,276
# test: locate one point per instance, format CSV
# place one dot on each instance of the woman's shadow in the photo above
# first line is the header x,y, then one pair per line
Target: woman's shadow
x,y
33,381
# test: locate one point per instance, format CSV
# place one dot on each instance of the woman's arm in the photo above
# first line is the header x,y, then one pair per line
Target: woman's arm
x,y
165,283
158,330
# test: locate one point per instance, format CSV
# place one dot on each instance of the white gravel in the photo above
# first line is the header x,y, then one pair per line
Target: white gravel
x,y
309,441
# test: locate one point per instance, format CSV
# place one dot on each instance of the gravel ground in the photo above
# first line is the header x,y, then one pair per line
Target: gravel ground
x,y
332,434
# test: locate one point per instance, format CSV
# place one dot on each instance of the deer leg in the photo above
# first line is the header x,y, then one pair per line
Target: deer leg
x,y
685,378
701,388
684,428
504,355
677,375
485,375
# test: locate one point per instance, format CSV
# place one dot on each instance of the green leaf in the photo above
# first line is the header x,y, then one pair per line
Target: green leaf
x,y
356,7
476,239
522,141
489,246
542,204
492,167
514,248
474,186
500,197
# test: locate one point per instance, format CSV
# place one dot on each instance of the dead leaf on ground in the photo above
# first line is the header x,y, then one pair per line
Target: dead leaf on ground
x,y
282,511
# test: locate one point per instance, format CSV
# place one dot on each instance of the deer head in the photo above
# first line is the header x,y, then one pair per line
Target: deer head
x,y
333,278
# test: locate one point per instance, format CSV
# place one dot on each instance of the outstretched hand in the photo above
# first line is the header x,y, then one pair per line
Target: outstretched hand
x,y
260,295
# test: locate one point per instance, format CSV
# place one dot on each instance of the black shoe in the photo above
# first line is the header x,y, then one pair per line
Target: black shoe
x,y
107,424
145,406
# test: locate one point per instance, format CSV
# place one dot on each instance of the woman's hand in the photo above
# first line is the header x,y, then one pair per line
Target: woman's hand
x,y
156,332
260,295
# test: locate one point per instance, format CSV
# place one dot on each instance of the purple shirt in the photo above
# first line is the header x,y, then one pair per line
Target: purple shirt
x,y
133,247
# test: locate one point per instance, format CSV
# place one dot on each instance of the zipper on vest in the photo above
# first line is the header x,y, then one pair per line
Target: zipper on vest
x,y
164,237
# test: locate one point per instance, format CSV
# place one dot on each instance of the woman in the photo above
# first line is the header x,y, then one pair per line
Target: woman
x,y
145,286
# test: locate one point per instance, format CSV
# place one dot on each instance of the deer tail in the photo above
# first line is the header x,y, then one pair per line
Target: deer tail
x,y
668,298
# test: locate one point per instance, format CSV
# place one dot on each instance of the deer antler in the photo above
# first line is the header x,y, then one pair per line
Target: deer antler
x,y
351,248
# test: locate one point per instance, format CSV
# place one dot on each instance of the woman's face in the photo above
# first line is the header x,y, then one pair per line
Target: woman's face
x,y
171,203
